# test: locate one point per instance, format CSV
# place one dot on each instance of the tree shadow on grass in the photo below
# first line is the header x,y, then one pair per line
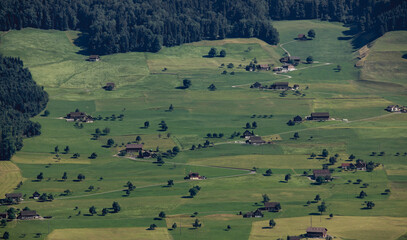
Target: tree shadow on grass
x,y
82,41
186,197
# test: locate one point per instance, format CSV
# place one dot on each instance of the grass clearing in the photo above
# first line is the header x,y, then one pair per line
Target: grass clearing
x,y
109,233
341,227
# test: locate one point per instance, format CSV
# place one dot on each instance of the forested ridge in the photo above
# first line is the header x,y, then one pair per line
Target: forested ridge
x,y
20,99
139,25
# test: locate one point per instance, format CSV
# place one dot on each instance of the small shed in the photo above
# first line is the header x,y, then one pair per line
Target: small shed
x,y
3,215
301,36
109,86
94,58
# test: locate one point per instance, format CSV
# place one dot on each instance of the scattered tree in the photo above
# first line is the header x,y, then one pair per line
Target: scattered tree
x,y
40,176
146,124
152,227
174,226
322,208
311,33
186,82
268,172
213,52
66,149
170,183
310,59
196,224
161,215
369,204
92,210
116,207
287,177
81,177
272,223
104,211
212,87
222,53
266,198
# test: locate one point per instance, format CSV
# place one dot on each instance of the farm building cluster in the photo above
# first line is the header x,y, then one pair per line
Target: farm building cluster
x,y
79,116
194,176
16,198
396,108
137,150
276,86
268,206
312,232
251,138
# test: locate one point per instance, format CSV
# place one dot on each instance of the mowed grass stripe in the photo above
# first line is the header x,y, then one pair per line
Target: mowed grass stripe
x,y
138,233
10,176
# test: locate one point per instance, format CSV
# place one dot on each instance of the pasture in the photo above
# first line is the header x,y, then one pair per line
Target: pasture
x,y
148,83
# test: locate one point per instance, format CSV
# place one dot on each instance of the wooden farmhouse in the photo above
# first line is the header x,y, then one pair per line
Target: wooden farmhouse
x,y
255,140
288,67
324,173
346,166
317,232
255,214
302,36
134,148
360,165
271,207
194,176
94,58
28,214
280,86
264,67
36,195
319,116
15,197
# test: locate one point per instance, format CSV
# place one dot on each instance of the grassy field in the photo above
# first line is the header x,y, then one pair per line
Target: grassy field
x,y
342,227
109,233
144,93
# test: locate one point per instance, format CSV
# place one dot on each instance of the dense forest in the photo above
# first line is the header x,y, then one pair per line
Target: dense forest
x,y
139,25
20,99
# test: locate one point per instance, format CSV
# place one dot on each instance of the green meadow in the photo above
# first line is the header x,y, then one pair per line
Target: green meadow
x,y
147,84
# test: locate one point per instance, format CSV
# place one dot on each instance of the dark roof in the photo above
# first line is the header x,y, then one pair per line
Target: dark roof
x,y
134,146
28,213
282,84
264,65
193,174
346,164
316,230
14,195
320,114
293,238
271,204
256,139
3,214
321,172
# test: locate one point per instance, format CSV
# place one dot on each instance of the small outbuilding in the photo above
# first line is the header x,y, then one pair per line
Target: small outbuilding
x,y
79,116
109,86
301,36
264,67
3,215
317,232
36,195
94,58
